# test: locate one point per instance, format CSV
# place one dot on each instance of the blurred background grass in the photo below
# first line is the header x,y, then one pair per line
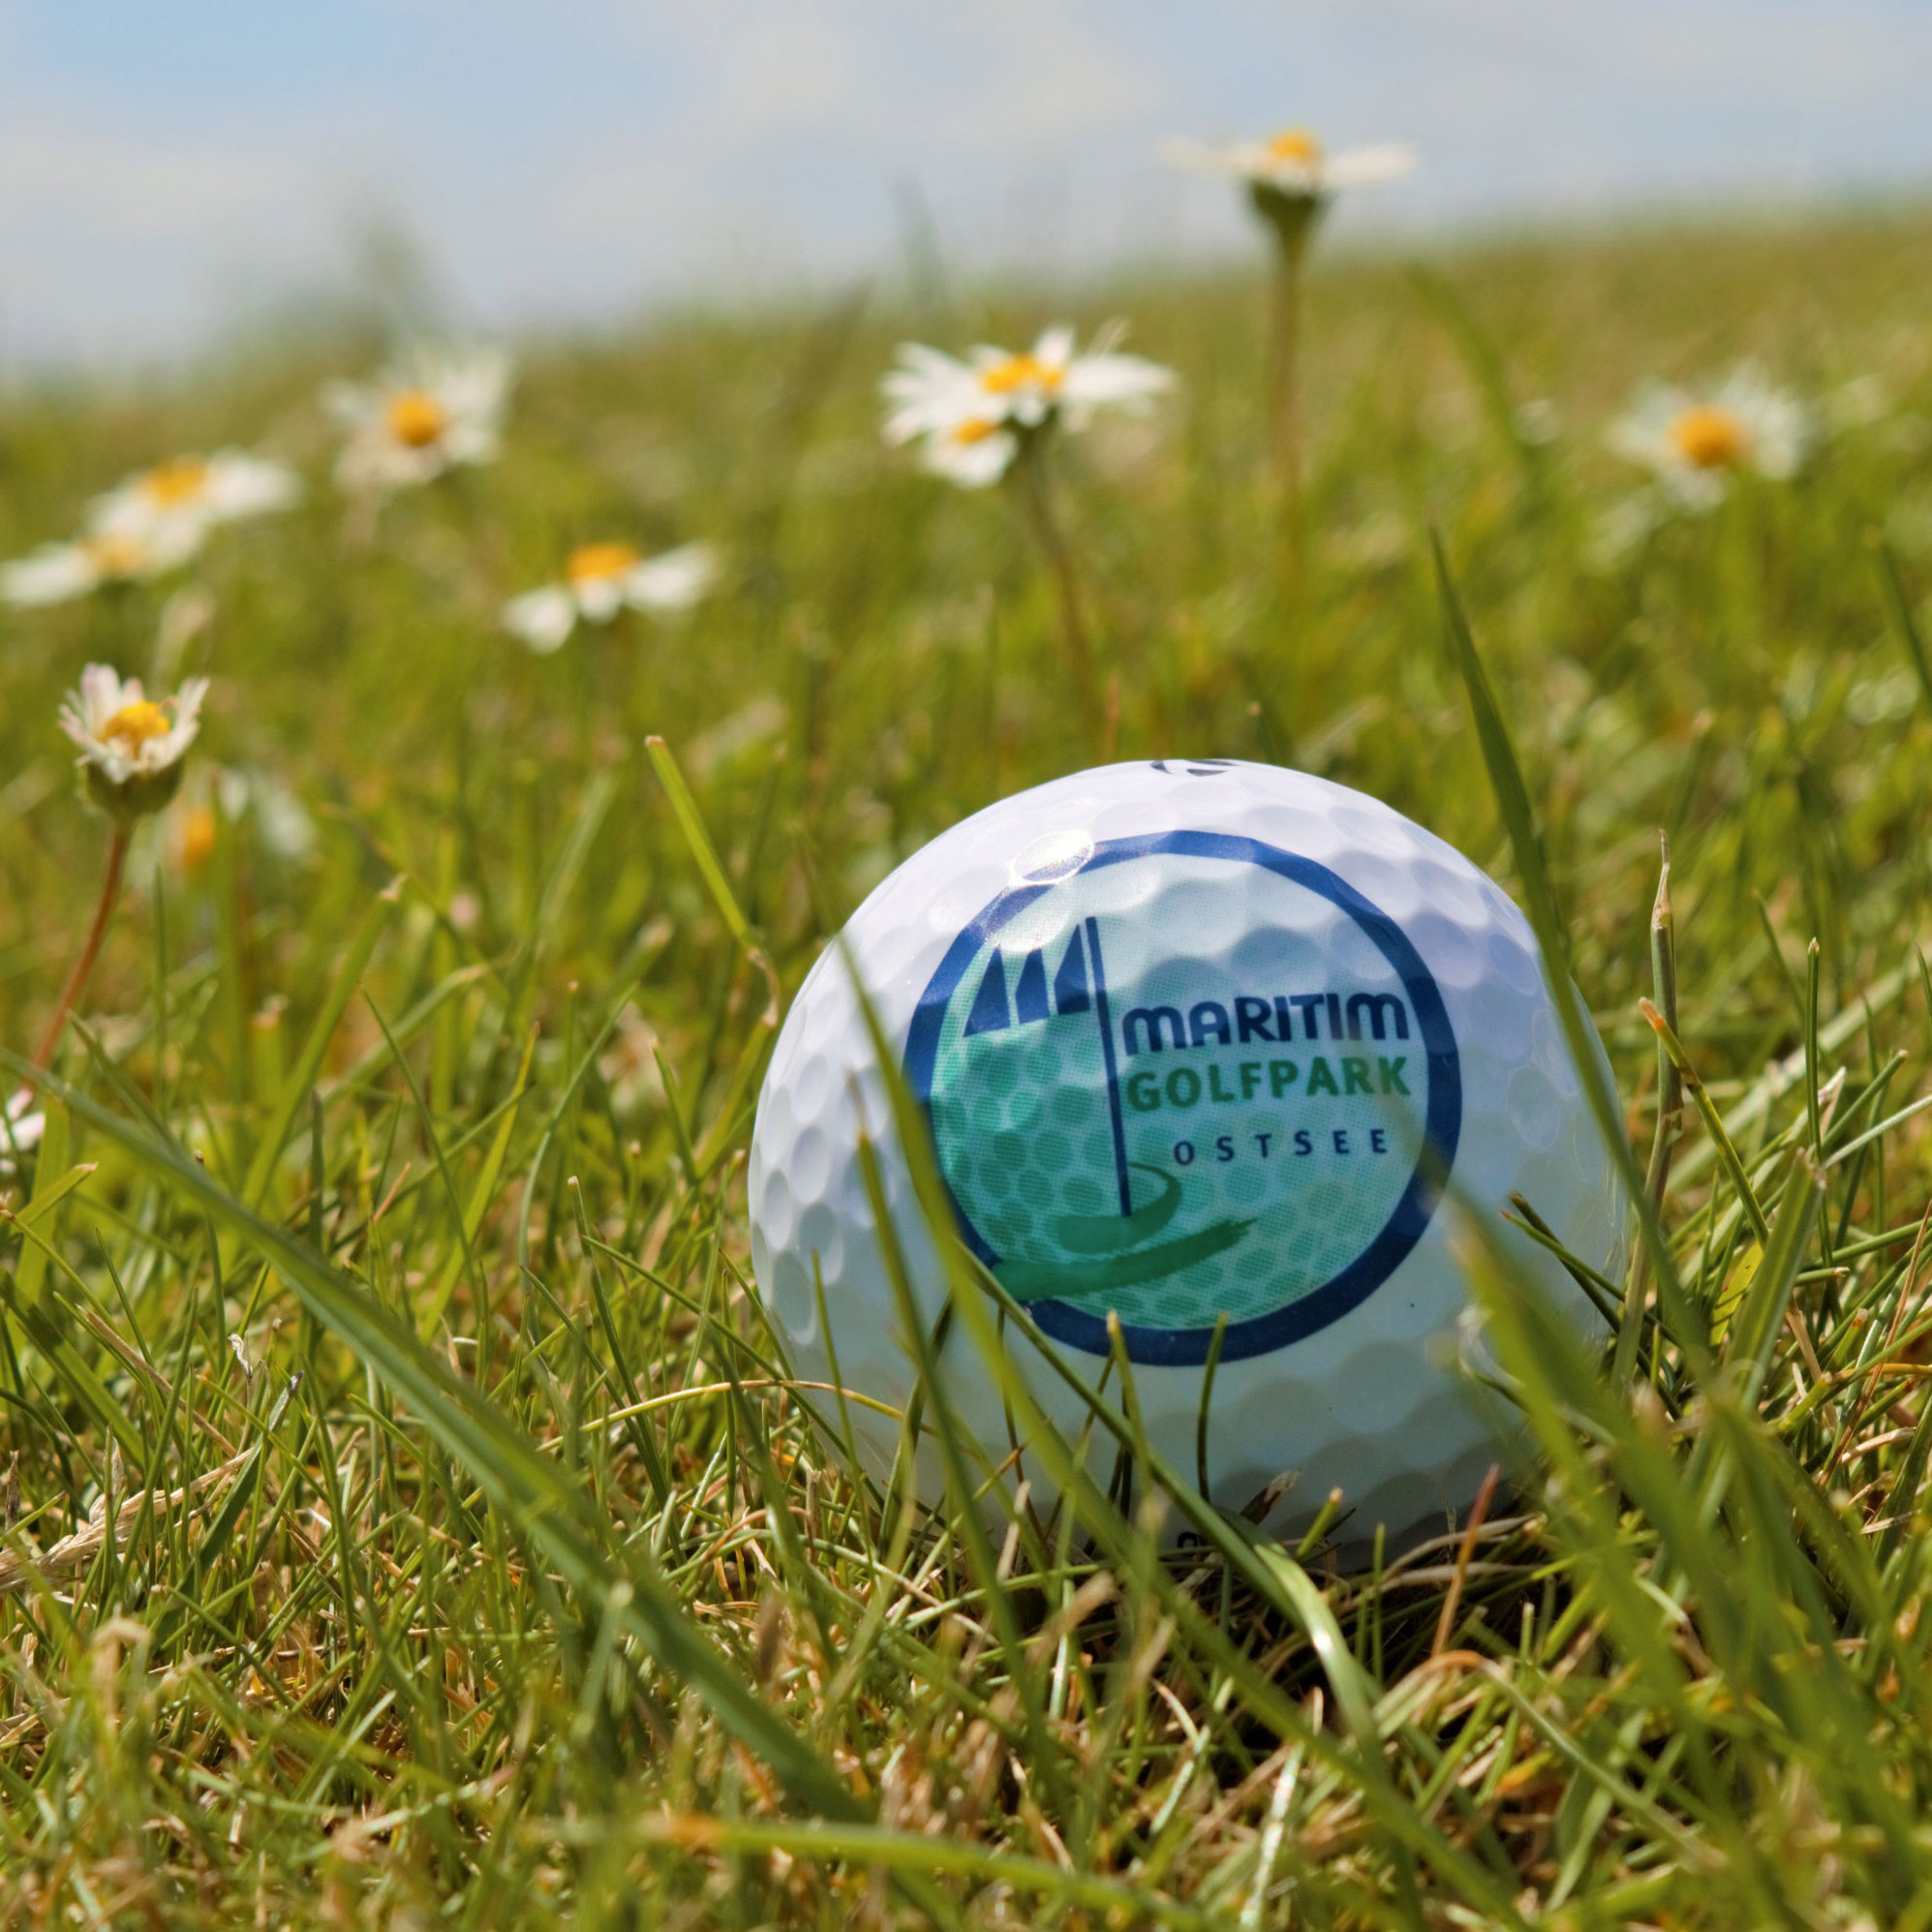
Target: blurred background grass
x,y
893,638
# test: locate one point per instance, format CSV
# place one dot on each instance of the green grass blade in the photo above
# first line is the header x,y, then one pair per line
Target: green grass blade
x,y
690,822
482,1193
52,1182
300,1078
1546,922
1899,617
1754,1329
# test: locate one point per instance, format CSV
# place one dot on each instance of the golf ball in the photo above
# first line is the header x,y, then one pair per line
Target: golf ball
x,y
1195,1041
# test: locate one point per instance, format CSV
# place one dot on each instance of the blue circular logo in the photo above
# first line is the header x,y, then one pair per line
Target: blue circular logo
x,y
1186,1077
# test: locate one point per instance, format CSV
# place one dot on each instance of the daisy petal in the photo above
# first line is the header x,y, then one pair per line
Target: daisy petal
x,y
974,465
53,574
543,619
674,581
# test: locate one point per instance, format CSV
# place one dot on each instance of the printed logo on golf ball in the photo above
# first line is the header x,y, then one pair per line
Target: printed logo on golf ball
x,y
1201,1045
1181,1075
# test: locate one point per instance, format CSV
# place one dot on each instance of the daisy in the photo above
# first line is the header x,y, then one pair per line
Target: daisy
x,y
1695,442
1294,164
432,412
204,490
1291,179
972,414
132,749
58,572
601,579
131,745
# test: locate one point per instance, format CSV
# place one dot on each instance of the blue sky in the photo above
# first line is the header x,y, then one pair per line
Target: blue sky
x,y
164,167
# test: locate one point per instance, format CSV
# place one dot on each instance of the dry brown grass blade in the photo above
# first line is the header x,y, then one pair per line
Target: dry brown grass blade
x,y
18,1566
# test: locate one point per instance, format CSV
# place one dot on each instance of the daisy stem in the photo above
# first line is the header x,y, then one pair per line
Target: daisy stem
x,y
1285,391
1036,491
84,966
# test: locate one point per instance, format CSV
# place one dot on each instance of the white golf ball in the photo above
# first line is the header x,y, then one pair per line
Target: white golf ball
x,y
1193,1039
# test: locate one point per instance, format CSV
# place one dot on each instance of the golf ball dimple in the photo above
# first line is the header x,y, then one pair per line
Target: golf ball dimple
x,y
1195,1041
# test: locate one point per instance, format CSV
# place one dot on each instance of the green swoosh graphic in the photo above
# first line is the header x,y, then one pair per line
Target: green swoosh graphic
x,y
1082,1282
1109,1234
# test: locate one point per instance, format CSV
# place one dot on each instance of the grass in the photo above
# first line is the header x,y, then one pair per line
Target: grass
x,y
409,1516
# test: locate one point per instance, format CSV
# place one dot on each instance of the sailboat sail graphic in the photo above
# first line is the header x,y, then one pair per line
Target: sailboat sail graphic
x,y
993,1013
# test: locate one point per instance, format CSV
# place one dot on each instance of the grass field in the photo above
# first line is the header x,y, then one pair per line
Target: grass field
x,y
406,1519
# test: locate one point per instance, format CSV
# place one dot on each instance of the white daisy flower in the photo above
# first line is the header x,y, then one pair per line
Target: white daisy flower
x,y
131,745
58,572
20,1128
600,579
1694,442
970,415
1293,163
222,488
432,412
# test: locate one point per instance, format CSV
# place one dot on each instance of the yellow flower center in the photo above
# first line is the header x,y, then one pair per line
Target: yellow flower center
x,y
198,837
417,419
975,429
1295,145
592,563
173,484
133,725
1001,378
1712,438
